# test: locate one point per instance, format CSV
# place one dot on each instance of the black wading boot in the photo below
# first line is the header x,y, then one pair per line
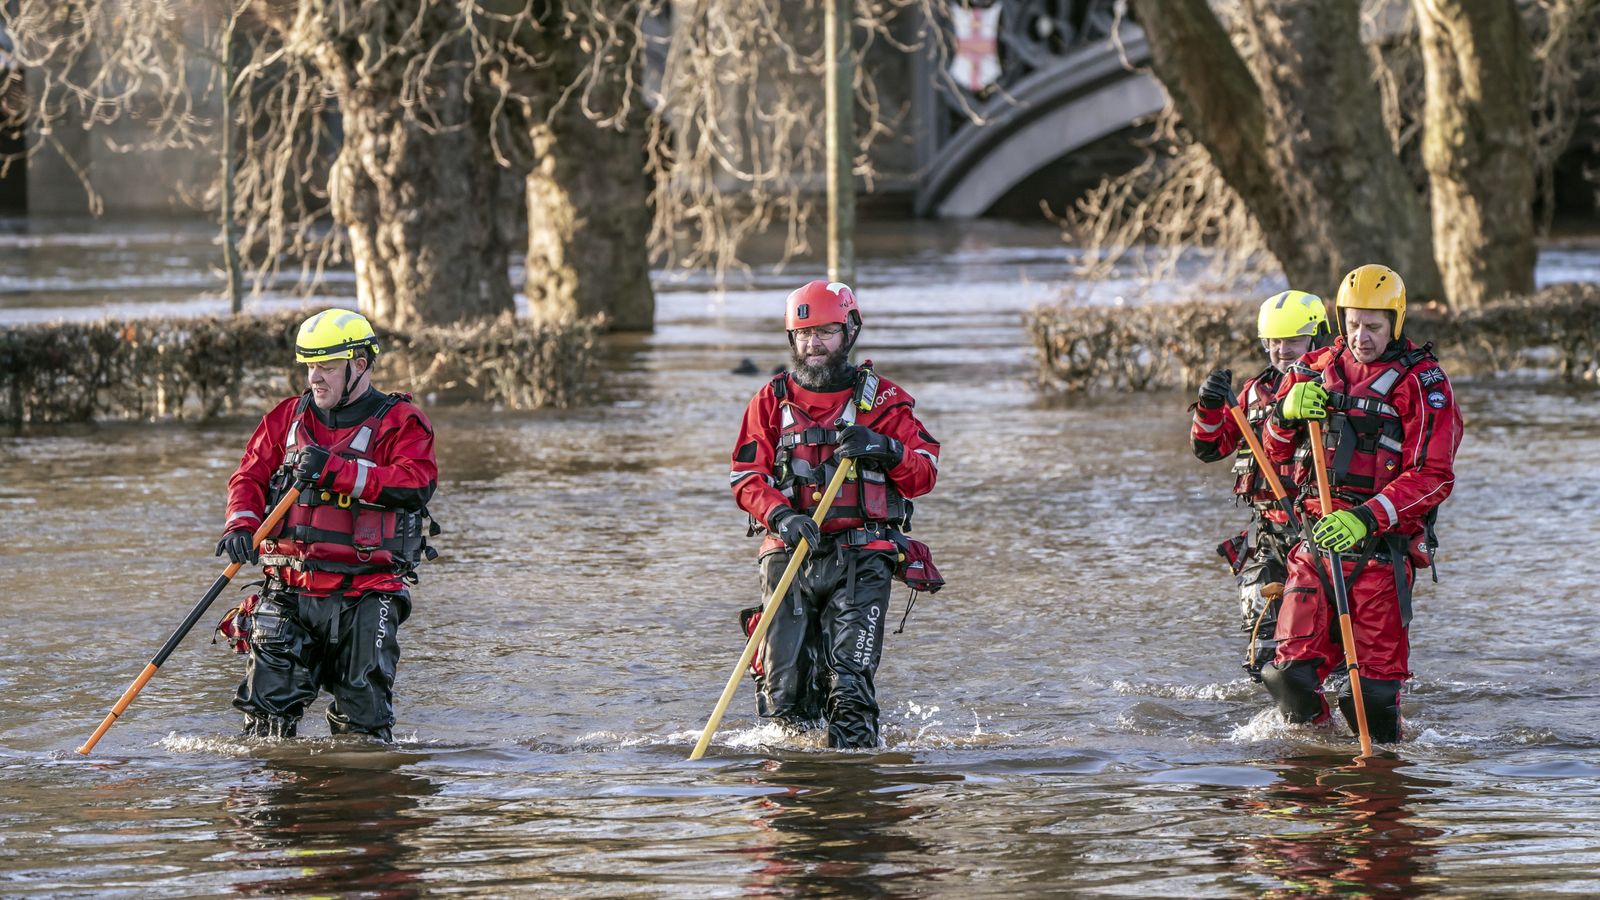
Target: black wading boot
x,y
1294,685
1382,700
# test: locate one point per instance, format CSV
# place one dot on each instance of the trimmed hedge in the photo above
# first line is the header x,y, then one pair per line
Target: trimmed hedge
x,y
1166,346
202,367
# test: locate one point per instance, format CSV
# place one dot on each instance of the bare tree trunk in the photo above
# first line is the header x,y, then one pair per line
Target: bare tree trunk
x,y
1478,146
1327,138
587,193
1220,104
415,180
1300,139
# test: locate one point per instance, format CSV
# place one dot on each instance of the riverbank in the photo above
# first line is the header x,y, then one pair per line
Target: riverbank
x,y
201,367
1085,348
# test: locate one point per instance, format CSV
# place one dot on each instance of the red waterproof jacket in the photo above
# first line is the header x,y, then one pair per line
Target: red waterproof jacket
x,y
1392,432
402,475
755,471
1214,435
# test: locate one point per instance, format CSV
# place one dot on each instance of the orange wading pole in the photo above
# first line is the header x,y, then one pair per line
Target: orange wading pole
x,y
1346,629
796,559
188,623
1340,598
1285,503
1243,421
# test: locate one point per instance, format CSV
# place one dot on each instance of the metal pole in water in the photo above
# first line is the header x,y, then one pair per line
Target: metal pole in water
x,y
839,89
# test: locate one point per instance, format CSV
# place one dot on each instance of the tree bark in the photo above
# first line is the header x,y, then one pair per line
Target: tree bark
x,y
1300,138
1327,137
414,184
588,195
1221,105
1478,146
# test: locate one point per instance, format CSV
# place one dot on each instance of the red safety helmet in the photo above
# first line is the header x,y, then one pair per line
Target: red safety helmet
x,y
822,303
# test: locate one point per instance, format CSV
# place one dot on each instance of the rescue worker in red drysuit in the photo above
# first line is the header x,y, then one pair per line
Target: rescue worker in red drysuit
x,y
822,650
1289,324
329,613
1391,432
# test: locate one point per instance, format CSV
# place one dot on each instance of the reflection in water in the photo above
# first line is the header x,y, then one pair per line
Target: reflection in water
x,y
1361,841
836,828
333,825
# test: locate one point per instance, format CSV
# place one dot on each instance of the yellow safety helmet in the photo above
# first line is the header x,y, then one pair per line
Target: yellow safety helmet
x,y
1292,314
333,334
1372,287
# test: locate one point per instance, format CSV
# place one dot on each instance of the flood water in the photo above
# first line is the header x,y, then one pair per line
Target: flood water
x,y
1067,717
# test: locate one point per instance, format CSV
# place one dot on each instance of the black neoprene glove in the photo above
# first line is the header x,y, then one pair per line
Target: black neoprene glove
x,y
790,526
313,465
237,545
1214,391
862,443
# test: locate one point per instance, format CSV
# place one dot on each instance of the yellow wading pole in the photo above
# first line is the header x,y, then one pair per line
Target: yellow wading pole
x,y
188,623
796,559
1340,597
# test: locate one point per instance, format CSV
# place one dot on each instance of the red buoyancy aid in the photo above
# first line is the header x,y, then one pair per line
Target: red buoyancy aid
x,y
1259,399
804,462
1364,431
338,533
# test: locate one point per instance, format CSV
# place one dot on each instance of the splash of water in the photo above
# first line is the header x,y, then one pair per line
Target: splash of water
x,y
1237,689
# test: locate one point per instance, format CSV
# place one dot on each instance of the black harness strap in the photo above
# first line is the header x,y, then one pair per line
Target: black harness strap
x,y
1402,584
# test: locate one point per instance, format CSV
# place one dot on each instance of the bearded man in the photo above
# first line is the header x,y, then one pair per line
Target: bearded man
x,y
820,654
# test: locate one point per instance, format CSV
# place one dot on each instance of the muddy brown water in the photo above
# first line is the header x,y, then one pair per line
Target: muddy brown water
x,y
1067,717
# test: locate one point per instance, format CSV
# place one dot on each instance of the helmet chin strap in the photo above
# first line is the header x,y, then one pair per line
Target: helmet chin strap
x,y
344,395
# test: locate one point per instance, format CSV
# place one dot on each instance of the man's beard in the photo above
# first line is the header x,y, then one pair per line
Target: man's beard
x,y
832,374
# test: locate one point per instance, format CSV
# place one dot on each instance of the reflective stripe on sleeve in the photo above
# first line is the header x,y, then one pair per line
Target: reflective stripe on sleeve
x,y
363,466
1388,509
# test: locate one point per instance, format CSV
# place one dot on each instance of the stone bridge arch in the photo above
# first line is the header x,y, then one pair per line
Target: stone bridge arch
x,y
1063,104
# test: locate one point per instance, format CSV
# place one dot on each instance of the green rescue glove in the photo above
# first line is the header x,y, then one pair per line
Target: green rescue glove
x,y
1306,400
1340,531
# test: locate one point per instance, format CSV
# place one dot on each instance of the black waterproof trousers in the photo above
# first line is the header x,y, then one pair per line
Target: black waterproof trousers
x,y
300,645
826,638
